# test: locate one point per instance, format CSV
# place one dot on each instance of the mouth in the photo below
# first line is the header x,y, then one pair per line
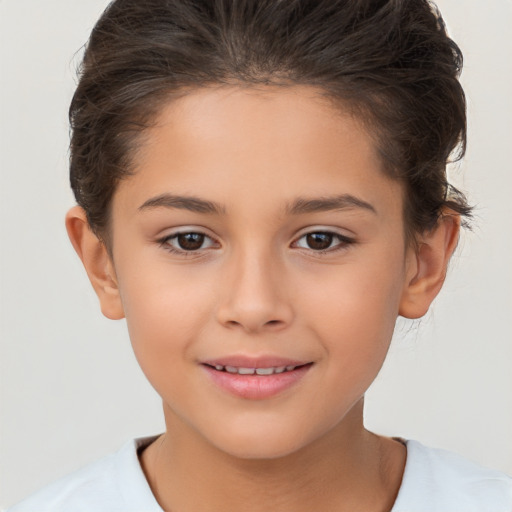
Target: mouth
x,y
256,379
271,370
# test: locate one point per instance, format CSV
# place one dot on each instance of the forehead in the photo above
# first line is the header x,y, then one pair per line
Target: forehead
x,y
263,145
253,117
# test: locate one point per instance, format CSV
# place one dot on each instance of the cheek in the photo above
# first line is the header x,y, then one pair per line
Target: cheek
x,y
361,296
354,313
164,312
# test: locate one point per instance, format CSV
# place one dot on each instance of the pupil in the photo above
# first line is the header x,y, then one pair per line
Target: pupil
x,y
191,241
319,240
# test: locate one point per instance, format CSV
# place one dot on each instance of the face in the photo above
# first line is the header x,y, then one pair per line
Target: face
x,y
259,254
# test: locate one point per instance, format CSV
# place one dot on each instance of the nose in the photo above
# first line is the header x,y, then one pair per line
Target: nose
x,y
254,294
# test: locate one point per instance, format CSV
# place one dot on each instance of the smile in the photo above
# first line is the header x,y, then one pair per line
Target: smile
x,y
255,371
257,381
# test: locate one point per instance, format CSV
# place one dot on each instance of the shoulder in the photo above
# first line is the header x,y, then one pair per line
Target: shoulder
x,y
113,483
437,480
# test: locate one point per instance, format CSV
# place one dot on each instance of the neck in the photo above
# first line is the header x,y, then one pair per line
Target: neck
x,y
348,469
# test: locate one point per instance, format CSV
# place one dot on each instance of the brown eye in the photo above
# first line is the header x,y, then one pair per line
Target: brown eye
x,y
187,242
324,241
190,241
319,241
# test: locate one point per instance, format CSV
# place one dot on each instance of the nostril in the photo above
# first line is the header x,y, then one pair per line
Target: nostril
x,y
253,316
274,323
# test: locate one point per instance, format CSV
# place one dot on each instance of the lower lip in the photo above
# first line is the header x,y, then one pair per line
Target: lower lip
x,y
256,387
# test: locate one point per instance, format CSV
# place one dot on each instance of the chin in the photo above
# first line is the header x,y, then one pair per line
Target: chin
x,y
253,443
262,450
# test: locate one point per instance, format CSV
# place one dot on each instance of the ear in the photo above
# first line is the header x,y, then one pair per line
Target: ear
x,y
97,262
427,265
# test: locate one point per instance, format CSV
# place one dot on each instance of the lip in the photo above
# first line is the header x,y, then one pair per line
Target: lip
x,y
255,387
241,361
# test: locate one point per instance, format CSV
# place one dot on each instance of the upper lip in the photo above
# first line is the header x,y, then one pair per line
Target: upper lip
x,y
242,361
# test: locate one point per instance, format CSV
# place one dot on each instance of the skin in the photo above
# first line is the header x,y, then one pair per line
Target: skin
x,y
257,287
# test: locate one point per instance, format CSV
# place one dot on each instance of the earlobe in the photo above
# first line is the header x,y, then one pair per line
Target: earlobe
x,y
428,264
97,262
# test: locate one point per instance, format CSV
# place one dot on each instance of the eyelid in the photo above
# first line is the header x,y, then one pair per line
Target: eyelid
x,y
164,241
183,230
324,229
344,240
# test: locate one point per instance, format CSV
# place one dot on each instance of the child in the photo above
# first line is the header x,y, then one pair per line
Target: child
x,y
262,191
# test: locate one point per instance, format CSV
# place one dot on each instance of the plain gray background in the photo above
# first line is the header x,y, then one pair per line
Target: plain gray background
x,y
71,390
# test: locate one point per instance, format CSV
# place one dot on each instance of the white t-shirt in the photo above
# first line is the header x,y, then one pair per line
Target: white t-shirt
x,y
434,481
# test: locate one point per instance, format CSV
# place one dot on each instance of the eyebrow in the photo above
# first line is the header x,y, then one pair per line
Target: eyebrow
x,y
300,206
193,204
323,204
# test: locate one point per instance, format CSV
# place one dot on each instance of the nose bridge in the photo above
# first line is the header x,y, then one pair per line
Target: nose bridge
x,y
255,295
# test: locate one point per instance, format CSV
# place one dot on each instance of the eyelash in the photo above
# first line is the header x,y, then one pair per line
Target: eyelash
x,y
344,242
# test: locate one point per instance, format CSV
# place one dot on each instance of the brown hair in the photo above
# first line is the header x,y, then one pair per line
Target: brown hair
x,y
390,61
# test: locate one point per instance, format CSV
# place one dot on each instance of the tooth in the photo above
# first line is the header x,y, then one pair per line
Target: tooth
x,y
290,368
231,369
264,371
219,367
246,371
280,369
